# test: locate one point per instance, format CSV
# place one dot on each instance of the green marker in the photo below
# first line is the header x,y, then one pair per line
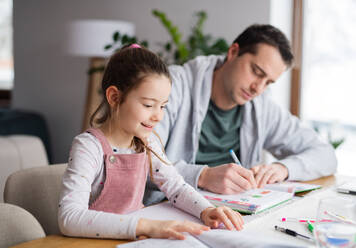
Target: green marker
x,y
310,226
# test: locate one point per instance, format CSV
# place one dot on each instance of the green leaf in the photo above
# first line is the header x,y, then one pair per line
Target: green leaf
x,y
144,43
168,46
220,46
337,143
133,40
125,39
173,32
116,36
176,55
197,43
107,47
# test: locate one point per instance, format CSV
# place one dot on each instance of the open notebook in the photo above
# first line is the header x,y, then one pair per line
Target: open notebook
x,y
251,201
290,186
258,200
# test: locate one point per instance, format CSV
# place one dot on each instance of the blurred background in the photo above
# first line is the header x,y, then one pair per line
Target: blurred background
x,y
39,72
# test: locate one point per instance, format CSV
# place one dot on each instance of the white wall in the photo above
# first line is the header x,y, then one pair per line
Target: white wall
x,y
281,16
54,84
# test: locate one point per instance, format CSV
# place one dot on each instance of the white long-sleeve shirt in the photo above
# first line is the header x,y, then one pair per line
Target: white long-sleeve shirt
x,y
85,177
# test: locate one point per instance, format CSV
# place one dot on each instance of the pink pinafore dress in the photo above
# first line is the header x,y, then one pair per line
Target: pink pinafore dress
x,y
126,176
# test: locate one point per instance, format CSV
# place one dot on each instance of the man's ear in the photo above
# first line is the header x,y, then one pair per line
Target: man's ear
x,y
113,95
233,51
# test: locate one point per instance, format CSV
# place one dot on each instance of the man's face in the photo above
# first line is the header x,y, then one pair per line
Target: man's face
x,y
247,76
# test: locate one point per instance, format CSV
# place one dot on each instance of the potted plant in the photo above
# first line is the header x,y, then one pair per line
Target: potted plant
x,y
176,50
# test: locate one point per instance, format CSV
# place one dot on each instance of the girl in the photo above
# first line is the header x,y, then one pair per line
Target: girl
x,y
108,165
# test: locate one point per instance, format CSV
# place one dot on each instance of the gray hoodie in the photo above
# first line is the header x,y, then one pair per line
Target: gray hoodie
x,y
265,126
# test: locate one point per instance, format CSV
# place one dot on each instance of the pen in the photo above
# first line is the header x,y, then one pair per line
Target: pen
x,y
234,157
237,162
291,232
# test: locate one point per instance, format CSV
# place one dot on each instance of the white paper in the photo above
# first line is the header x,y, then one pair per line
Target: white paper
x,y
190,242
239,239
212,239
164,211
261,227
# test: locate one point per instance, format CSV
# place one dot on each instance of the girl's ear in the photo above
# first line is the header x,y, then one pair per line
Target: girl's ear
x,y
113,95
233,51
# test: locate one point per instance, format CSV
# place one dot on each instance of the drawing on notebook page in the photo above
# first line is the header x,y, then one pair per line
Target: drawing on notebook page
x,y
251,201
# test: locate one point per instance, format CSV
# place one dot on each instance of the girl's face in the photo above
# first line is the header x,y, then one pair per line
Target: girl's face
x,y
144,106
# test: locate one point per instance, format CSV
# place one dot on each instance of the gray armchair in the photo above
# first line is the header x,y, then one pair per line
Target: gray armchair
x,y
19,152
17,226
37,191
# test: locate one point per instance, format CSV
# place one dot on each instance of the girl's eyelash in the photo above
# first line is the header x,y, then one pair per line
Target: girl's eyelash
x,y
150,106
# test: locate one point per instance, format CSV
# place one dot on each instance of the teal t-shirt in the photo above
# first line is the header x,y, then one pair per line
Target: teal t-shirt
x,y
220,132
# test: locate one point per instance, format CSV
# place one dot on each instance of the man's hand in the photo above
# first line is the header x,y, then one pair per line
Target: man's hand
x,y
272,173
227,179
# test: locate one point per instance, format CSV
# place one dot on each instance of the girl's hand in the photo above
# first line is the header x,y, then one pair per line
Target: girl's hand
x,y
214,216
167,229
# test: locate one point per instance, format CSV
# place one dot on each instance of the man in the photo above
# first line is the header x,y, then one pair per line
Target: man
x,y
217,104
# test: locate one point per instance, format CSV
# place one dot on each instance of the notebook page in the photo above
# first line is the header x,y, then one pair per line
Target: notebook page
x,y
292,187
250,201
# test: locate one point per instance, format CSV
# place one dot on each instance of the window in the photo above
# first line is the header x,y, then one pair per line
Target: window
x,y
6,57
328,98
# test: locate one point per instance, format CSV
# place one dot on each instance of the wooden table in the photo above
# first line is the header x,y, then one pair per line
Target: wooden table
x,y
57,241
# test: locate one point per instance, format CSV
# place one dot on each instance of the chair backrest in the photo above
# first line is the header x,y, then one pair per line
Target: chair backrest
x,y
37,190
17,226
19,152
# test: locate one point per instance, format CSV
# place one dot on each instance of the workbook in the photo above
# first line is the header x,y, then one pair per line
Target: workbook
x,y
289,186
251,201
212,239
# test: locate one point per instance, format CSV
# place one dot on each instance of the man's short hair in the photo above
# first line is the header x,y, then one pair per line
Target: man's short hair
x,y
267,34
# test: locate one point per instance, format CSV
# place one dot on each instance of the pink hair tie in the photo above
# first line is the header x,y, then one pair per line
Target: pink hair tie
x,y
135,46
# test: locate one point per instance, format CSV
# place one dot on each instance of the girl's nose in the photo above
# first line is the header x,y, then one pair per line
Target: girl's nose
x,y
156,115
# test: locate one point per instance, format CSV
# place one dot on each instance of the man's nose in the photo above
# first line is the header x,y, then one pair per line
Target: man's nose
x,y
258,87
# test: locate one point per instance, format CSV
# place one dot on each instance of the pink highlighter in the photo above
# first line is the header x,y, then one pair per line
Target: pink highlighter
x,y
284,219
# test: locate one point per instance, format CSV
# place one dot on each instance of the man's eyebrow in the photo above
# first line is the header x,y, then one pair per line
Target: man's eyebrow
x,y
260,69
152,99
